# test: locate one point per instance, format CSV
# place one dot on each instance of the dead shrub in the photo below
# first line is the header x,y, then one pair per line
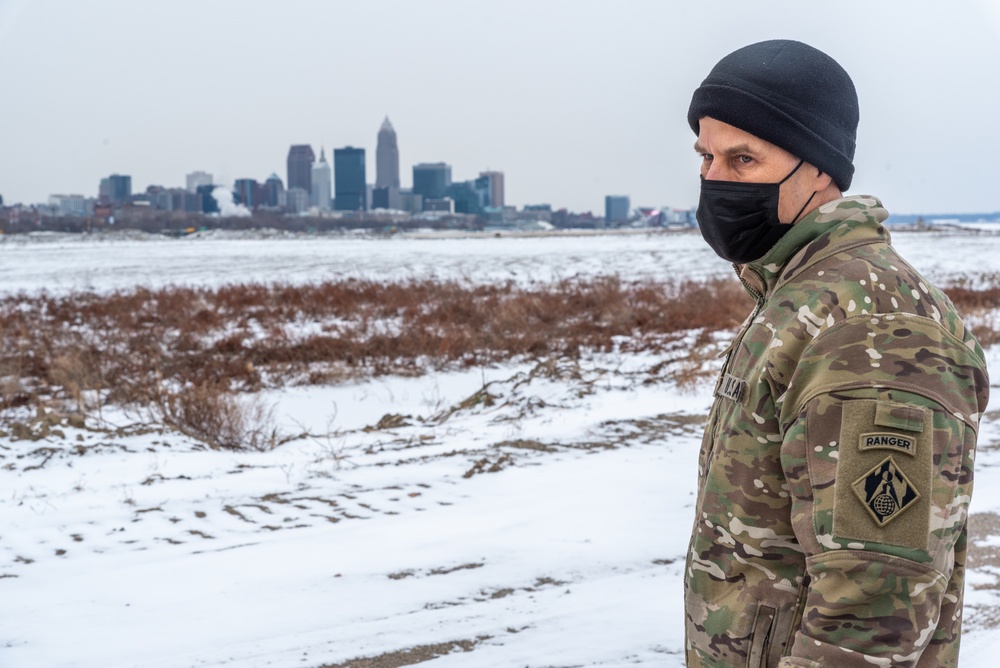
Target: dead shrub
x,y
221,420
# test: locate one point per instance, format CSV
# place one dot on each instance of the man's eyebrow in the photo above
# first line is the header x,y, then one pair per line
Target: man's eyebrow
x,y
739,149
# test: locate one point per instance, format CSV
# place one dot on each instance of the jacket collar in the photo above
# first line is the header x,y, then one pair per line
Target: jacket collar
x,y
849,220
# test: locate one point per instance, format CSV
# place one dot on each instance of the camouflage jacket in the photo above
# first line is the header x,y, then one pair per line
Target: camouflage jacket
x,y
836,469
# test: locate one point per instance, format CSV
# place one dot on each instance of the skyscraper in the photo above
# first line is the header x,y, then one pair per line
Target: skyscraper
x,y
273,190
495,187
349,179
385,194
430,180
300,162
386,157
248,192
116,189
616,209
321,183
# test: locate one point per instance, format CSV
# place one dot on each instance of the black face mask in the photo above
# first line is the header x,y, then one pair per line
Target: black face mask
x,y
740,220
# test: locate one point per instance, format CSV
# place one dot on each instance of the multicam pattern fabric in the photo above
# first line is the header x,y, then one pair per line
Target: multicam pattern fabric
x,y
836,471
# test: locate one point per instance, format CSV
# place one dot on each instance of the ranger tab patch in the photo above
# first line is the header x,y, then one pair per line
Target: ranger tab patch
x,y
885,491
887,441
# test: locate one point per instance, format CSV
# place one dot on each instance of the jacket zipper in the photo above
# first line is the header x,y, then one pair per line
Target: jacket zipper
x,y
759,299
758,305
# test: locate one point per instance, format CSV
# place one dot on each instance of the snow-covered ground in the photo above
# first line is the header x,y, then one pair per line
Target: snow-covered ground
x,y
508,516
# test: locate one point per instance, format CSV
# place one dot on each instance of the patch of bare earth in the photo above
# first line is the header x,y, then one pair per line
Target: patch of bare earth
x,y
411,656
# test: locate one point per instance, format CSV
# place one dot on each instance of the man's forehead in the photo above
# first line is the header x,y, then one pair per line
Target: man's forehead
x,y
716,136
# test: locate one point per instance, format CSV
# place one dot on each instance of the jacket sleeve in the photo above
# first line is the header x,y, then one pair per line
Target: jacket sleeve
x,y
878,446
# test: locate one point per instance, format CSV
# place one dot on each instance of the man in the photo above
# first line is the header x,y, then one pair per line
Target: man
x,y
836,469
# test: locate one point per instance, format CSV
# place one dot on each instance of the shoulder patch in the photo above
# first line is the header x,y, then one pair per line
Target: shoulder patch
x,y
884,474
885,491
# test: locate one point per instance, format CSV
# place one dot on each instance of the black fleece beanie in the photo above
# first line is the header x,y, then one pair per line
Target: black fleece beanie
x,y
789,94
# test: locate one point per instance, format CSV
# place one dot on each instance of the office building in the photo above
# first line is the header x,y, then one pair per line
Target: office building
x,y
385,194
431,180
248,192
616,209
206,199
199,178
387,157
350,189
410,202
70,205
494,187
300,163
116,189
296,200
274,190
321,183
467,196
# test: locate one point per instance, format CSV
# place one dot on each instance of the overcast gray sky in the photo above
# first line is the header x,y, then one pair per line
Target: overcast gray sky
x,y
572,99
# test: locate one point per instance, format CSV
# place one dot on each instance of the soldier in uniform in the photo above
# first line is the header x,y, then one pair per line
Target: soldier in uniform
x,y
836,469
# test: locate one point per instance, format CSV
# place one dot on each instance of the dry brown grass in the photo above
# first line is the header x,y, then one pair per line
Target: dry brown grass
x,y
129,345
185,351
975,299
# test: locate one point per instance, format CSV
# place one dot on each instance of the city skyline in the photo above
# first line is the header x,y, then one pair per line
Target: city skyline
x,y
573,101
313,184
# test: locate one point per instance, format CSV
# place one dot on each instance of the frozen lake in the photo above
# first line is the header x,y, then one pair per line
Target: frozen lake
x,y
60,263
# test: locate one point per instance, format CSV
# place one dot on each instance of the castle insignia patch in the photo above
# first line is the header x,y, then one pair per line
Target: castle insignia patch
x,y
885,491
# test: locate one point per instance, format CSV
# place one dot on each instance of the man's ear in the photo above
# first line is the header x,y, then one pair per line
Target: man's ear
x,y
823,180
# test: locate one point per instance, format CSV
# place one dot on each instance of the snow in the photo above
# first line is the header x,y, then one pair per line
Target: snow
x,y
545,527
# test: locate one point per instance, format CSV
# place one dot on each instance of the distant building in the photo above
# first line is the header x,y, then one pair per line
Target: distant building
x,y
116,189
495,186
195,179
564,219
541,212
387,157
410,202
349,179
70,205
431,180
380,198
321,183
684,217
158,198
297,200
274,190
616,209
206,200
467,196
300,162
385,192
441,205
171,199
249,193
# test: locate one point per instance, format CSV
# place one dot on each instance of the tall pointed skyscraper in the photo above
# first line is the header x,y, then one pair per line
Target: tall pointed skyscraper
x,y
385,194
386,157
321,183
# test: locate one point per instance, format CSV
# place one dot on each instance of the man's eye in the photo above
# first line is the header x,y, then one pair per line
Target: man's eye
x,y
707,157
744,159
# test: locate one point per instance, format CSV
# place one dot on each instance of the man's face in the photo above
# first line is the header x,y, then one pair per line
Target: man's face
x,y
730,154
